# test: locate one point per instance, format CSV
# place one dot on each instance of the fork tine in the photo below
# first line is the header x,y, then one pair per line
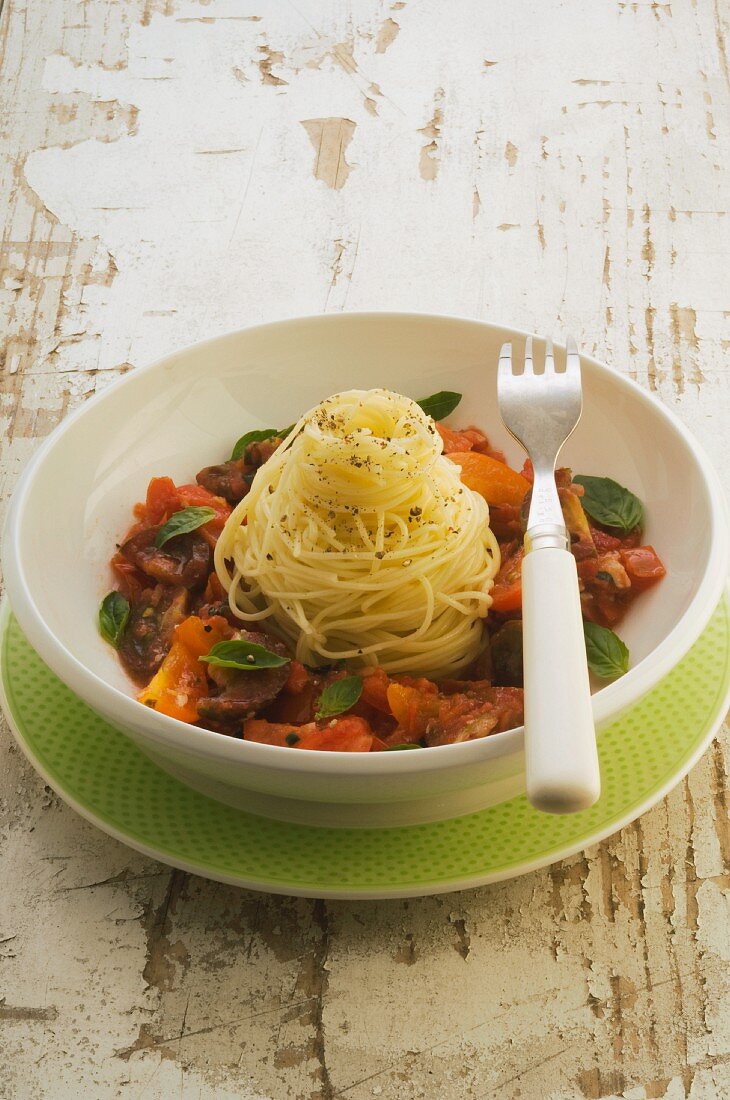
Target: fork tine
x,y
528,356
549,359
572,359
504,371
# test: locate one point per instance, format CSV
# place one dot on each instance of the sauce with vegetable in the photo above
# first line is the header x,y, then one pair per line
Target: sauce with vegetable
x,y
169,618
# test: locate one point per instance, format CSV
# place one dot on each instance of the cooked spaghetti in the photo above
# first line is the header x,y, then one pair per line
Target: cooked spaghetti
x,y
358,540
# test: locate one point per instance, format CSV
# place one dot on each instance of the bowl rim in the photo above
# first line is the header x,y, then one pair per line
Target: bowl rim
x,y
608,702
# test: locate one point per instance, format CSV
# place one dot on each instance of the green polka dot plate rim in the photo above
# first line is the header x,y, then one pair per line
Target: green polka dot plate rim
x,y
103,776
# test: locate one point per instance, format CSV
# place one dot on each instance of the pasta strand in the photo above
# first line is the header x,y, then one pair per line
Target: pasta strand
x,y
358,541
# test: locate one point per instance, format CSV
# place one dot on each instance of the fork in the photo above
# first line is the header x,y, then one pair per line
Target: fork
x,y
541,412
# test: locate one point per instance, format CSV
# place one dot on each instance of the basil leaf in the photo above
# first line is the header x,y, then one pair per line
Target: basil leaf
x,y
258,436
180,523
609,503
608,657
339,696
405,745
440,405
113,615
244,655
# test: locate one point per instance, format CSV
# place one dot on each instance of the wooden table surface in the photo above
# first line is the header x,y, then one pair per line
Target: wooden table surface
x,y
176,168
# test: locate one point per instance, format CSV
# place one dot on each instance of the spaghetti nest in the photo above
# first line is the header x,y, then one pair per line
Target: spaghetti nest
x,y
358,541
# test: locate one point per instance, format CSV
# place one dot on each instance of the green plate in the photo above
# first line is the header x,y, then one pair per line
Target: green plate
x,y
102,775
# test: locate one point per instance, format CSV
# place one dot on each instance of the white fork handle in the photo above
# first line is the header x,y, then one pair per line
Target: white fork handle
x,y
560,738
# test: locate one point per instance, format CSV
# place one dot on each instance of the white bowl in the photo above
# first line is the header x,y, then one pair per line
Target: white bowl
x,y
184,412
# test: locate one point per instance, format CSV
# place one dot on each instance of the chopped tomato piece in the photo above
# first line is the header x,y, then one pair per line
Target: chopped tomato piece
x,y
375,682
132,581
495,481
214,591
507,591
527,471
162,500
484,447
643,566
378,745
297,709
604,542
453,440
606,590
587,570
467,439
602,608
274,733
349,734
509,705
610,609
195,496
633,538
298,678
464,715
426,687
199,637
506,521
177,685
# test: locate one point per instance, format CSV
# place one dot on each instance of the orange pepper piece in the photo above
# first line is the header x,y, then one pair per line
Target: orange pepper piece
x,y
411,708
497,483
192,633
177,685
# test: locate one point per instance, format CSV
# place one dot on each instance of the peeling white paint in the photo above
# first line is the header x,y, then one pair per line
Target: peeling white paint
x,y
160,187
